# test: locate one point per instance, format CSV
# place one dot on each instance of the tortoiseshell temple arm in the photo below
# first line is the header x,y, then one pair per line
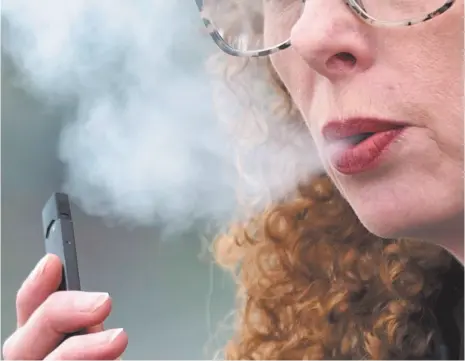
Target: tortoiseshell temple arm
x,y
224,46
364,16
352,4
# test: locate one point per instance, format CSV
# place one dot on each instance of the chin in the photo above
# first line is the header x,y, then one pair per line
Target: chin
x,y
435,221
387,226
409,196
382,222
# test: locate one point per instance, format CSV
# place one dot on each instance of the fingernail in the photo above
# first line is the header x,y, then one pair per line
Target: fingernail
x,y
39,268
114,334
90,302
107,336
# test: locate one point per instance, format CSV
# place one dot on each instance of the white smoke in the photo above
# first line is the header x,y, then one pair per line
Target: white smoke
x,y
143,145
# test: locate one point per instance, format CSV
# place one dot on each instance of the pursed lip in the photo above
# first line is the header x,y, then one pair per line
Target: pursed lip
x,y
340,129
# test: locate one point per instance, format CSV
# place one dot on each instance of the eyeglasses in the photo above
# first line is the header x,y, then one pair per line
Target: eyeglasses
x,y
254,28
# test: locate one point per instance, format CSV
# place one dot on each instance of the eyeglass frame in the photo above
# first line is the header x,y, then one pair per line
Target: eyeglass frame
x,y
352,4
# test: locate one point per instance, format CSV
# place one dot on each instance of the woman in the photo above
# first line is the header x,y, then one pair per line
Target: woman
x,y
325,274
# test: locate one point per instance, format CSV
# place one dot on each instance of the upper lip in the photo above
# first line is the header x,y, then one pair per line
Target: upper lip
x,y
340,129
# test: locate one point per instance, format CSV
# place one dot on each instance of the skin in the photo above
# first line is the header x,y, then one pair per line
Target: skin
x,y
407,74
44,316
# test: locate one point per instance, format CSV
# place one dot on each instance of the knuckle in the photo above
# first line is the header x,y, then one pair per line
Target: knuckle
x,y
6,349
69,349
22,299
49,311
54,303
55,298
49,307
45,316
72,343
9,351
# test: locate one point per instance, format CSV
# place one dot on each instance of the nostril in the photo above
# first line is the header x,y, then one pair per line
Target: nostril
x,y
341,61
347,58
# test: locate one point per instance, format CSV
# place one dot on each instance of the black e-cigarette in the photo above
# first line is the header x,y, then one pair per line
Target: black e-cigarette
x,y
59,239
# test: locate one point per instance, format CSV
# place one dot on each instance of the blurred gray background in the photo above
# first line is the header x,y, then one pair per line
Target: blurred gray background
x,y
167,295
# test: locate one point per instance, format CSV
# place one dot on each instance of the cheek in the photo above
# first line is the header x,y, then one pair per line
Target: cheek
x,y
296,75
446,110
449,133
432,70
299,79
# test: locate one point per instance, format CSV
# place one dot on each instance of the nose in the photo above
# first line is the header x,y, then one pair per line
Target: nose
x,y
332,40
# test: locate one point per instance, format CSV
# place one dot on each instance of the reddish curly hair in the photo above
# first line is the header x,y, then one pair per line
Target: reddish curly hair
x,y
313,283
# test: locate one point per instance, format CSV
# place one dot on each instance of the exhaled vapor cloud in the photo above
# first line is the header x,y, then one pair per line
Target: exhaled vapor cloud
x,y
143,144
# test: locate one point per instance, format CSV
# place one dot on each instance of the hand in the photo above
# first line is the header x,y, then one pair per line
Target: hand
x,y
45,316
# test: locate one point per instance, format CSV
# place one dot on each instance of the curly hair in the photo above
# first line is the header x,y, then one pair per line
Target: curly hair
x,y
313,283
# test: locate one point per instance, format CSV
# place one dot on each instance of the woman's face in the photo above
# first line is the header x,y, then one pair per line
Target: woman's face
x,y
406,182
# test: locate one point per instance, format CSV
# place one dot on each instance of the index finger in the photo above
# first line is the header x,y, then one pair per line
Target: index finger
x,y
38,286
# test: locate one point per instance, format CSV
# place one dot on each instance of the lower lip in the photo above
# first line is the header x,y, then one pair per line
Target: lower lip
x,y
365,155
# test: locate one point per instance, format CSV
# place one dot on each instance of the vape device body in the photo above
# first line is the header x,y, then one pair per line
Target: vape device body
x,y
59,239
